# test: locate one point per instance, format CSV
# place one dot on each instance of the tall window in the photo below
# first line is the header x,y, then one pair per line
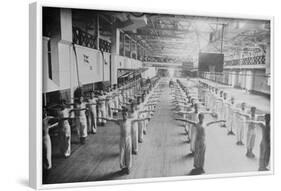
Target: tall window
x,y
50,61
122,44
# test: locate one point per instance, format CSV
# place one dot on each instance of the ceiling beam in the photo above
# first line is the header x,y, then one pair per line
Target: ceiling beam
x,y
166,29
156,36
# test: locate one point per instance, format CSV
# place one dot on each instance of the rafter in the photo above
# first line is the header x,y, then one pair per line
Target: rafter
x,y
156,36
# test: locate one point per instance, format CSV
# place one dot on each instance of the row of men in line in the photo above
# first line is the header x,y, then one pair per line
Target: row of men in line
x,y
188,101
86,115
186,104
236,116
133,125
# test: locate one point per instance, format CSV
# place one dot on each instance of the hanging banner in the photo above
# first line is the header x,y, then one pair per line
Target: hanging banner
x,y
89,64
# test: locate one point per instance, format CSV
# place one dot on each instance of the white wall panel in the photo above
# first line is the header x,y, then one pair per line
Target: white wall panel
x,y
106,66
48,84
114,66
89,65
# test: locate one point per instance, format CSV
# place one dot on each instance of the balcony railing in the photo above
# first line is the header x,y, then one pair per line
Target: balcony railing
x,y
83,38
105,46
256,60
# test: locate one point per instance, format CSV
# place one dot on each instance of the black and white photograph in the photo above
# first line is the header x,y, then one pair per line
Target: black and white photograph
x,y
143,95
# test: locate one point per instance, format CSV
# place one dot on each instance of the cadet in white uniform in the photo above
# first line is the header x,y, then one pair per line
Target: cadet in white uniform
x,y
81,120
265,142
251,134
102,109
134,126
224,109
65,130
115,99
92,106
125,143
110,103
219,106
230,108
240,120
200,145
47,144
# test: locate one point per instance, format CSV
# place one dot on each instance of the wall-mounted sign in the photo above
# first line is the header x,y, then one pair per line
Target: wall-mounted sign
x,y
86,59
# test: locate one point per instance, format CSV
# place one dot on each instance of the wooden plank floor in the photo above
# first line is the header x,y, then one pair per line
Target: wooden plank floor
x,y
163,153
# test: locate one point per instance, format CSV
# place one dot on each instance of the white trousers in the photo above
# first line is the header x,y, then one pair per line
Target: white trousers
x,y
102,114
135,137
65,139
192,138
125,152
47,152
81,127
251,137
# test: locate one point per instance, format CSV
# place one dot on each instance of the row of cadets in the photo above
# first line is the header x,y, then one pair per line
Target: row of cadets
x,y
197,132
199,142
145,110
84,115
252,120
182,102
136,130
151,102
126,124
185,105
240,118
129,137
62,115
62,122
251,131
192,114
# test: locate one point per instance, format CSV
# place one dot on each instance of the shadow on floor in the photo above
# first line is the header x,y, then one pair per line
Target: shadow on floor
x,y
111,155
182,133
111,176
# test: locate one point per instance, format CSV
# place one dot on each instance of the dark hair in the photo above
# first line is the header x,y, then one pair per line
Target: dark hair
x,y
201,115
124,109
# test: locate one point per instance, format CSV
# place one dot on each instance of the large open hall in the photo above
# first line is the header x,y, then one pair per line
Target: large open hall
x,y
130,95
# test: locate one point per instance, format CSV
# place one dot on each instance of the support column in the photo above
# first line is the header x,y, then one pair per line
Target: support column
x,y
98,32
115,41
66,59
66,24
235,75
130,44
115,49
250,80
267,62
